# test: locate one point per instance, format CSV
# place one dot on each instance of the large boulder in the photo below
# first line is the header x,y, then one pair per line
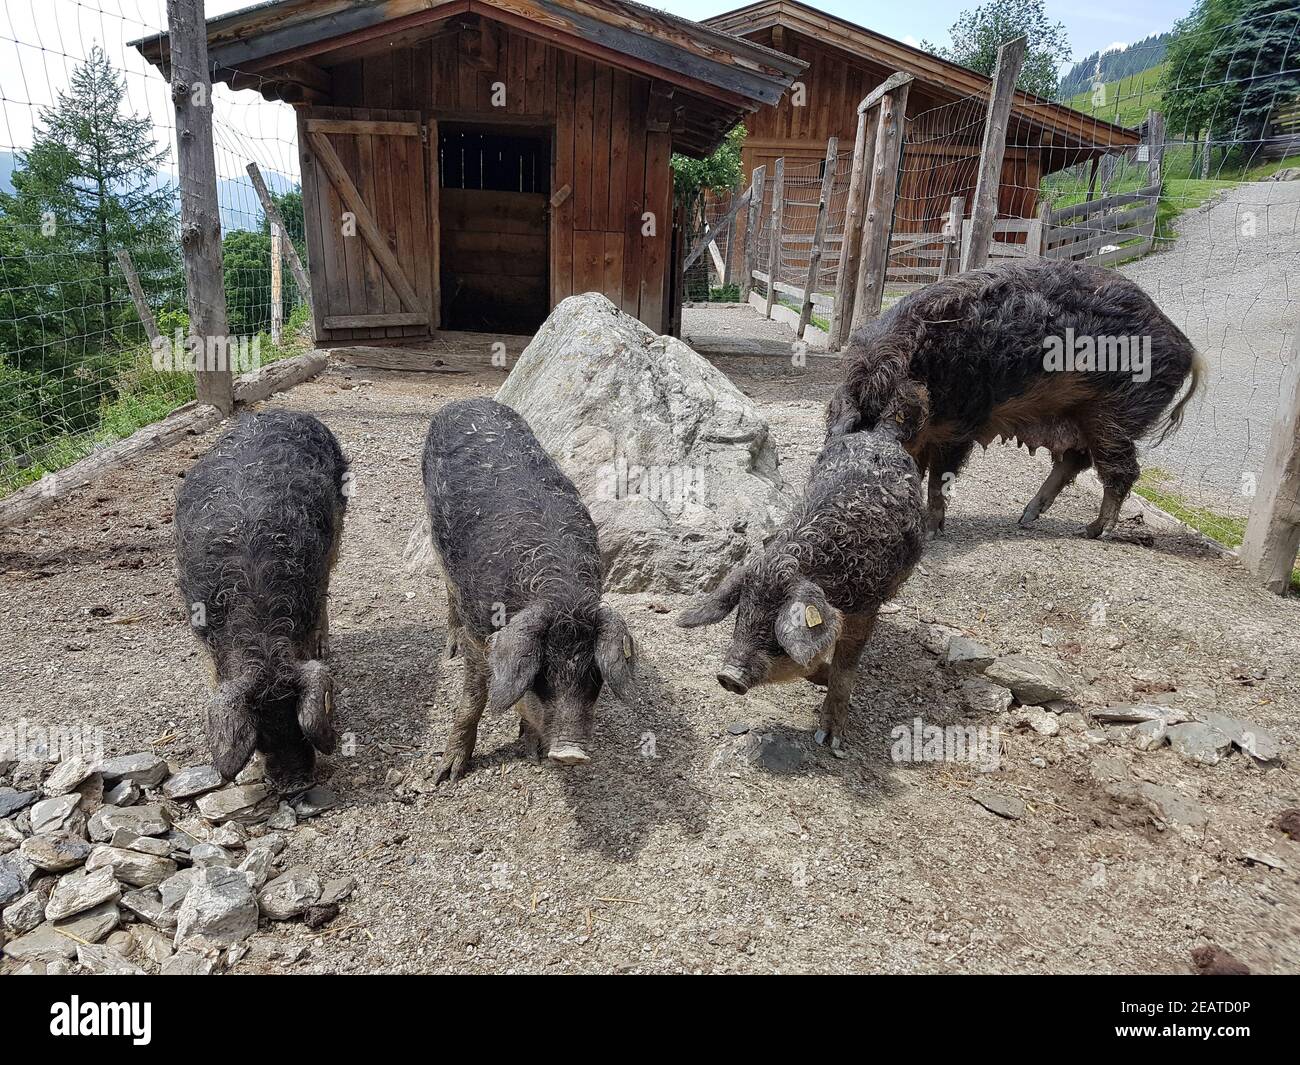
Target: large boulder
x,y
676,465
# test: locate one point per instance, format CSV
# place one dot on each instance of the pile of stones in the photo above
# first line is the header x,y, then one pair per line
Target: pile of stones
x,y
132,865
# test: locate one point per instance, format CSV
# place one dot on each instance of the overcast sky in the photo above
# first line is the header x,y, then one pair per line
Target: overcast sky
x,y
42,40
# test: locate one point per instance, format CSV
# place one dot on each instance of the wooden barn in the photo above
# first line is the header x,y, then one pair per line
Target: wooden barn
x,y
944,106
467,164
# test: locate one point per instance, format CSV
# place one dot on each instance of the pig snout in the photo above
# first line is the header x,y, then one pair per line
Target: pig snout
x,y
731,678
566,752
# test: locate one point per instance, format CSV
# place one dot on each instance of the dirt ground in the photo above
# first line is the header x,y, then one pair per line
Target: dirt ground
x,y
697,859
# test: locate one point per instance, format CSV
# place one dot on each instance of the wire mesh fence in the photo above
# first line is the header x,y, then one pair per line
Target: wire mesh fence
x,y
89,194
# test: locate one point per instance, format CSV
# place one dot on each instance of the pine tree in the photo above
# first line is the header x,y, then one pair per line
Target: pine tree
x,y
978,33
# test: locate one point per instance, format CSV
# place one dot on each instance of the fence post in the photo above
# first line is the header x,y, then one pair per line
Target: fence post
x,y
273,216
1155,146
1272,539
1205,157
774,238
277,285
147,319
846,277
951,261
758,181
878,224
819,233
1011,56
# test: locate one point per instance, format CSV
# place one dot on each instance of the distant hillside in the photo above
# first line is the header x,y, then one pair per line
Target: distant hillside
x,y
1114,66
239,206
1126,101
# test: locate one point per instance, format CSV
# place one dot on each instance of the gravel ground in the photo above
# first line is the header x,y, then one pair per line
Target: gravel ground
x,y
673,851
1231,282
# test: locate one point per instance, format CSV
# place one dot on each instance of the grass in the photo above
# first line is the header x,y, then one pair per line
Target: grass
x,y
1224,529
1127,101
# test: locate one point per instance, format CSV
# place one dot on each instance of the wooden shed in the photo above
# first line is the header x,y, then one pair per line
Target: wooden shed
x,y
467,164
846,61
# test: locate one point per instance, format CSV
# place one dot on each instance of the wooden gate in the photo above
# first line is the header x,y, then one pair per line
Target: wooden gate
x,y
370,206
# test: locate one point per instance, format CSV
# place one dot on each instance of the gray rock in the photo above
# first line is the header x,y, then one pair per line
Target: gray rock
x,y
132,867
82,891
1136,713
738,728
253,773
16,876
1039,720
54,940
337,890
187,963
1009,806
231,834
147,770
1199,743
1030,680
1255,740
314,802
236,802
776,754
273,842
205,854
128,840
1172,807
219,910
104,961
147,904
192,781
68,775
174,889
123,793
284,818
256,867
967,655
982,696
22,916
1149,735
149,820
151,943
11,800
11,837
676,464
290,894
61,814
55,853
180,841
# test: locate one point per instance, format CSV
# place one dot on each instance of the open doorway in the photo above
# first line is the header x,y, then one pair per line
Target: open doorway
x,y
495,183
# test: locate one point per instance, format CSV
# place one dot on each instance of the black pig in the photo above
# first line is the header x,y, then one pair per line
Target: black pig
x,y
519,554
805,606
980,344
258,524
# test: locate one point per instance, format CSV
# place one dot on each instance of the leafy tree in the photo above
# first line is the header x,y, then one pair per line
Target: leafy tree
x,y
977,34
721,170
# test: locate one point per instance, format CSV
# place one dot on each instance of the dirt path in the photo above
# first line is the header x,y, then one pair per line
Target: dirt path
x,y
1231,282
672,851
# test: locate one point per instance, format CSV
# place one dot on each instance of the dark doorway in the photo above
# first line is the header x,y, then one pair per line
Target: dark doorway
x,y
495,183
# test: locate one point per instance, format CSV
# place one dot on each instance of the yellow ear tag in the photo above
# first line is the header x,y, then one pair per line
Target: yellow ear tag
x,y
627,646
812,616
899,417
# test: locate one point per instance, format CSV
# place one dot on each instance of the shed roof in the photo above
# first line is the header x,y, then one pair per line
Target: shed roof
x,y
942,77
720,76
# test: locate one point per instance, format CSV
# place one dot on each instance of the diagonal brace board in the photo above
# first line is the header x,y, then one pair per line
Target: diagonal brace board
x,y
366,223
711,234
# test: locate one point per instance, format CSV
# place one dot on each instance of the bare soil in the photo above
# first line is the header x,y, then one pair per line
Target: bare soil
x,y
696,859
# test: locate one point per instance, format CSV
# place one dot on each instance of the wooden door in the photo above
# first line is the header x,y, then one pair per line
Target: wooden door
x,y
368,213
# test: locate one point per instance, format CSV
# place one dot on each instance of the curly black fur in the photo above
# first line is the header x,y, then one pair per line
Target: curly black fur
x,y
522,562
258,523
976,344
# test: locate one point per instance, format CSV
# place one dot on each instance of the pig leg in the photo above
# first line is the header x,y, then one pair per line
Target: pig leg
x,y
464,728
832,722
1117,469
944,462
530,731
453,626
1064,470
320,635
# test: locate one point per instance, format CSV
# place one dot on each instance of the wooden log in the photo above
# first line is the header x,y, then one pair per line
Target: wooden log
x,y
951,263
819,233
1273,531
1155,159
879,220
846,277
1085,210
757,187
1205,157
186,421
1011,56
191,91
273,215
774,236
142,308
390,320
712,234
277,284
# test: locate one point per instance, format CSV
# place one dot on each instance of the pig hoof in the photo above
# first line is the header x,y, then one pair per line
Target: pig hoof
x,y
1094,529
820,737
1028,517
837,748
454,766
568,754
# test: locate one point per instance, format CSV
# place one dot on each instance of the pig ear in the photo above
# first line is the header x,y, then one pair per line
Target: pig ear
x,y
316,705
514,656
712,608
807,626
615,653
232,734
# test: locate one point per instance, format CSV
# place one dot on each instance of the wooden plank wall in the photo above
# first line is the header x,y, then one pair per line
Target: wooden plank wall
x,y
615,167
